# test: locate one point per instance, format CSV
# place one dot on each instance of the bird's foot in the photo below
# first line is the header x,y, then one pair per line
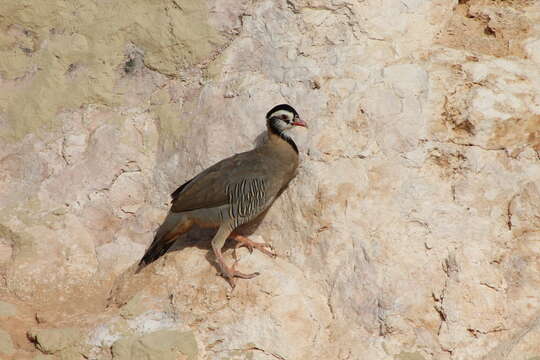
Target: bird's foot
x,y
230,273
244,241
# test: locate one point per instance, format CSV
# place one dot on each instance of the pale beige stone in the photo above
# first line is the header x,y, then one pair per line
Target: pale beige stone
x,y
54,340
164,344
410,232
7,309
409,356
6,344
43,357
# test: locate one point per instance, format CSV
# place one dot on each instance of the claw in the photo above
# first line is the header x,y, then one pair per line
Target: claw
x,y
248,246
244,241
230,273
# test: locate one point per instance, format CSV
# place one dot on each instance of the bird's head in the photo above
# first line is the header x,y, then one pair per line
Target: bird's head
x,y
283,118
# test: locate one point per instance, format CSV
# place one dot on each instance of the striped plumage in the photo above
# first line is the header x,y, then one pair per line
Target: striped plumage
x,y
246,199
233,192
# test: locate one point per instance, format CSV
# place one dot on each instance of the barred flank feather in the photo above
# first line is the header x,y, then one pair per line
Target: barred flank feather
x,y
246,199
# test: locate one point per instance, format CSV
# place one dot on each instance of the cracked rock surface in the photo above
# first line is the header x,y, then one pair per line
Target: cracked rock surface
x,y
411,232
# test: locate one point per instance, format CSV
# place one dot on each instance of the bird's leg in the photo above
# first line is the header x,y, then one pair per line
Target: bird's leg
x,y
229,273
244,241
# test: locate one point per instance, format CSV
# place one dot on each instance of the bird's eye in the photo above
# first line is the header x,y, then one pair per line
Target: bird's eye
x,y
284,117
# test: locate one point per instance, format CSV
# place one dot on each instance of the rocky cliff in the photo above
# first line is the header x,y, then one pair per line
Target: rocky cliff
x,y
411,232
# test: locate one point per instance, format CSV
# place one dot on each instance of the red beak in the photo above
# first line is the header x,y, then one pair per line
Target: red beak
x,y
299,122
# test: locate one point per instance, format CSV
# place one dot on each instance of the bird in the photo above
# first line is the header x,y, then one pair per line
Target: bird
x,y
233,192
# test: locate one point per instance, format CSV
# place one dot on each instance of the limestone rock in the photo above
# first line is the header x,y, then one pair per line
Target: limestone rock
x,y
410,232
409,356
164,344
7,310
6,344
43,357
51,341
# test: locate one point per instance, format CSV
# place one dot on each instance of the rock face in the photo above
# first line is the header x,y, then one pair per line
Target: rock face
x,y
411,232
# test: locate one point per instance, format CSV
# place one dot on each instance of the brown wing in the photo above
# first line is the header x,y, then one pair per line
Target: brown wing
x,y
209,188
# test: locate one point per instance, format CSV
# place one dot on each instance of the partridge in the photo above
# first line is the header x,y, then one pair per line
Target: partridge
x,y
233,192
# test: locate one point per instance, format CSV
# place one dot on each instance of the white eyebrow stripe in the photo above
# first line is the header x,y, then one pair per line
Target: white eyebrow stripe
x,y
281,112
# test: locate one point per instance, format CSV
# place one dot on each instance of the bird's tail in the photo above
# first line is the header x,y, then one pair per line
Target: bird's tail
x,y
163,239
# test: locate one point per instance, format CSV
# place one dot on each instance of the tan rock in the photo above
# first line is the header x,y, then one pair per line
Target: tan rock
x,y
43,357
36,38
7,310
134,307
164,344
6,344
409,356
410,232
51,341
